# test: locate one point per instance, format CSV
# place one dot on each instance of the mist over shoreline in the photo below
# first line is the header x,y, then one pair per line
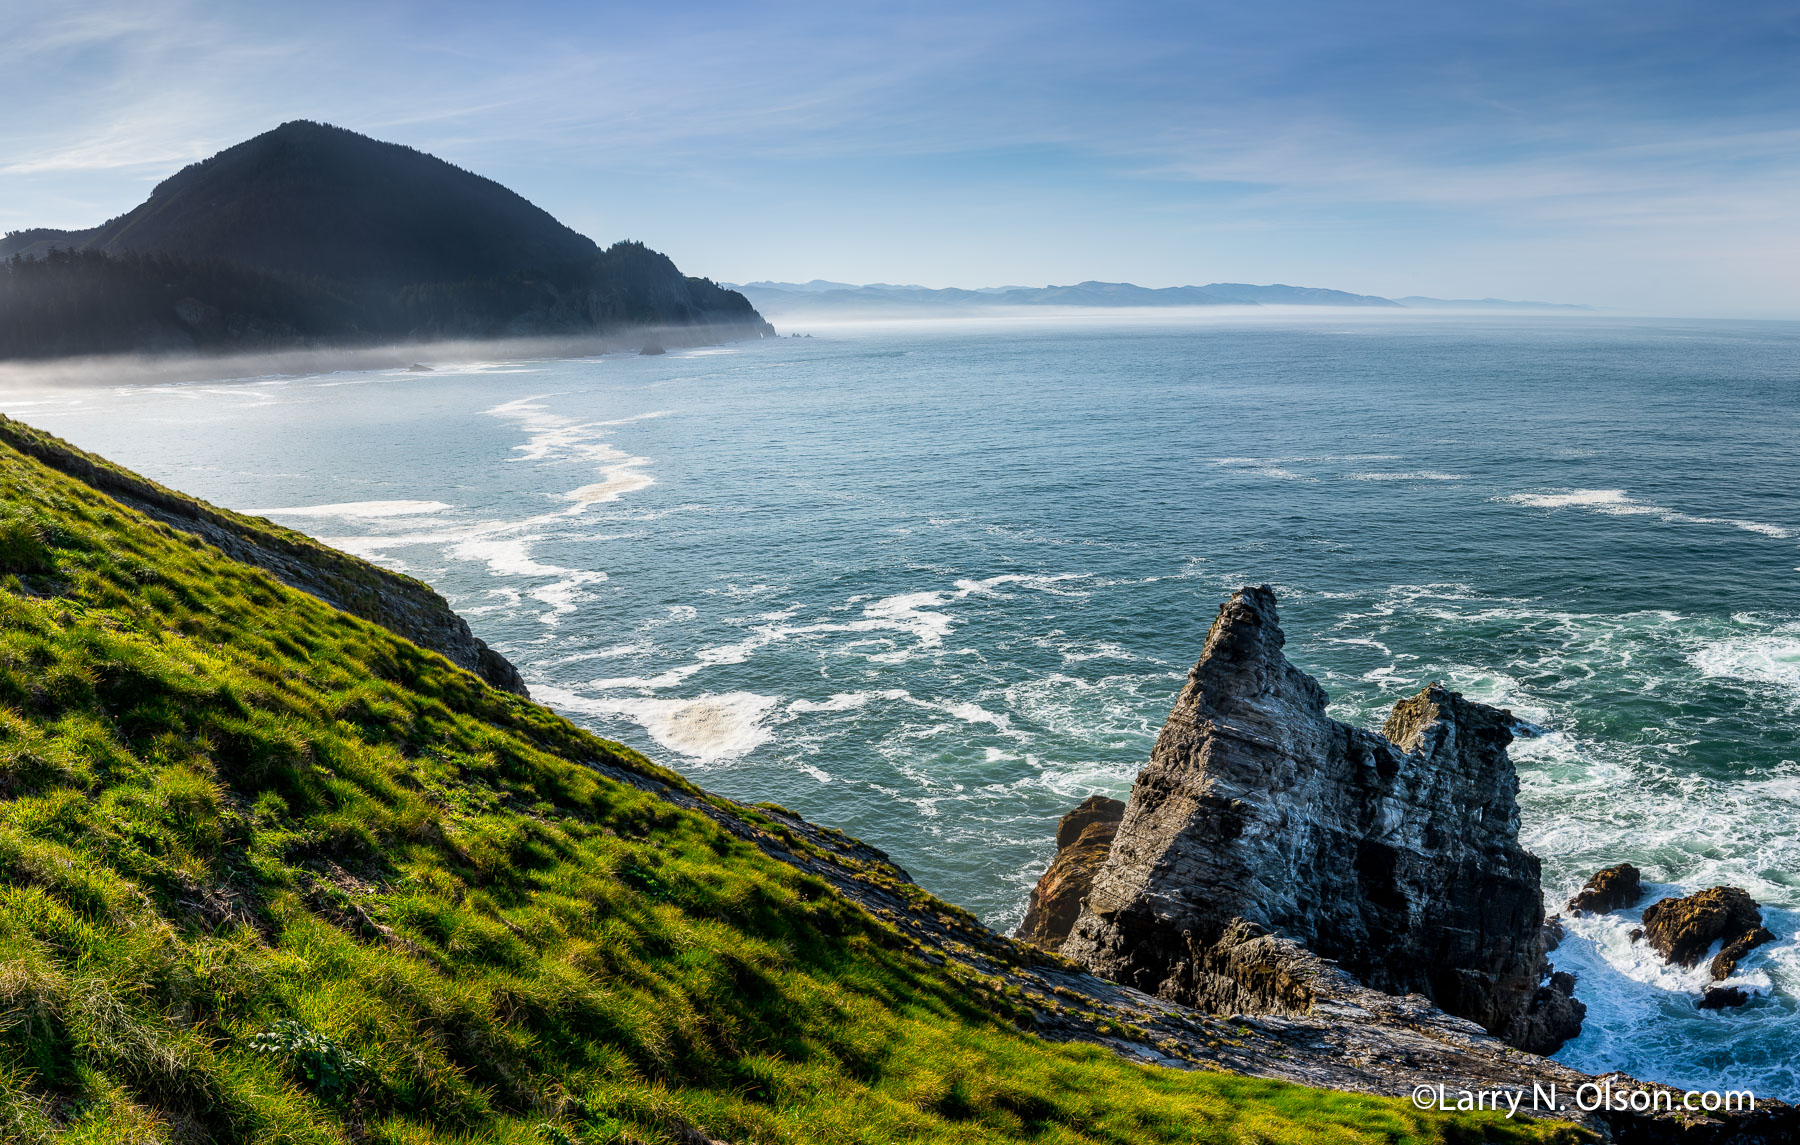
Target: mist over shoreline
x,y
171,367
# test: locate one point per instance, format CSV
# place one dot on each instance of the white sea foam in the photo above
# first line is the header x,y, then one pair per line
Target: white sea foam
x,y
371,549
510,557
909,612
1421,475
971,713
1642,1013
565,595
552,437
625,477
1616,503
358,509
1761,658
846,701
708,729
1582,497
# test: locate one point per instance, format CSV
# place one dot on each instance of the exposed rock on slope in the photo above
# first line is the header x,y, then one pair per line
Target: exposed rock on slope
x,y
1083,839
1336,1033
404,606
1395,855
1682,930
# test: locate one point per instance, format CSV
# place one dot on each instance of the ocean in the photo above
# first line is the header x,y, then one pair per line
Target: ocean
x,y
934,583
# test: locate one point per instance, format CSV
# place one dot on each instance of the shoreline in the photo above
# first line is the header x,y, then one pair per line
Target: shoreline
x,y
177,367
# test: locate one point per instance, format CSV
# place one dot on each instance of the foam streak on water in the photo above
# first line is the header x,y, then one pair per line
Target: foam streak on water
x,y
934,585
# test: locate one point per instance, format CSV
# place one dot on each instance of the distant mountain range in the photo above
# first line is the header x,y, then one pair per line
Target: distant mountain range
x,y
312,234
822,297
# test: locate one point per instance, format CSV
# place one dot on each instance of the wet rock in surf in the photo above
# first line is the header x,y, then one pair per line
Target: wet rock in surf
x,y
1609,890
1724,964
1083,838
1394,854
1682,930
1722,998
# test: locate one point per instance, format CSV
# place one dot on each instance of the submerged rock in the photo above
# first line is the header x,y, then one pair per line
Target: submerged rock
x,y
1083,838
1609,890
1395,855
1682,930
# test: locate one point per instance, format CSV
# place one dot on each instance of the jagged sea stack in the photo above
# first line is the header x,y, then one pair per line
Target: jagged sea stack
x,y
1396,855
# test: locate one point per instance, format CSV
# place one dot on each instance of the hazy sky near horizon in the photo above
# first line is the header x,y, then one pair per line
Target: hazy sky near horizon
x,y
1644,155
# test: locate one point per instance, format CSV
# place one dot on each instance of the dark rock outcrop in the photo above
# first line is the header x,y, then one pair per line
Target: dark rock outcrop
x,y
1682,930
1083,838
1338,1034
1394,855
1724,964
1609,890
1722,998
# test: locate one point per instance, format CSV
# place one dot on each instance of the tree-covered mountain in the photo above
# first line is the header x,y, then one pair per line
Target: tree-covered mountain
x,y
311,233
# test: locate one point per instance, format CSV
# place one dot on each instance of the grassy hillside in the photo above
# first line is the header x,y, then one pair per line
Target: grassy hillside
x,y
270,873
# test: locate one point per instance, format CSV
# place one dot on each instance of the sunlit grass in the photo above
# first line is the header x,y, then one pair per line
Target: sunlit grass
x,y
268,873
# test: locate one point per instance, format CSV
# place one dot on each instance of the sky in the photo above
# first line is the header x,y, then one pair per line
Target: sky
x,y
1642,156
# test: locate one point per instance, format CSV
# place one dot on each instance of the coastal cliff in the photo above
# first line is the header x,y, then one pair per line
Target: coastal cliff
x,y
1083,839
1394,855
271,871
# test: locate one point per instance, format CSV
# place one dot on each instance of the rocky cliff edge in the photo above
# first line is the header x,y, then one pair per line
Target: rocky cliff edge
x,y
1393,855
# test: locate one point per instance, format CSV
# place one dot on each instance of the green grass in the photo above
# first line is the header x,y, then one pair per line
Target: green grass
x,y
269,873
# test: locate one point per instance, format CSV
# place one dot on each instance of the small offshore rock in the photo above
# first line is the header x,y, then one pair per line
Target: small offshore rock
x,y
1636,935
1724,964
651,349
1553,933
1683,929
1083,838
1609,890
1722,997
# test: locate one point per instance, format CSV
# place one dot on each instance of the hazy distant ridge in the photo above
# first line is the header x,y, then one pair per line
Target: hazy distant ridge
x,y
821,296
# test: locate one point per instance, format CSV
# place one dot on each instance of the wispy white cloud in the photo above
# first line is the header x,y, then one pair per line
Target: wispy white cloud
x,y
1004,132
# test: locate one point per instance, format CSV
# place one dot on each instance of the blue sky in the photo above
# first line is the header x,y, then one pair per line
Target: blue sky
x,y
1635,155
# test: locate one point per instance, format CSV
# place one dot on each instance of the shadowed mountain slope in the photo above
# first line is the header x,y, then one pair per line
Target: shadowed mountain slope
x,y
311,233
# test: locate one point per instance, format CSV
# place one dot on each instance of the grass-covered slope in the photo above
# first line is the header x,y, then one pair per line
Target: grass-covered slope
x,y
270,873
392,600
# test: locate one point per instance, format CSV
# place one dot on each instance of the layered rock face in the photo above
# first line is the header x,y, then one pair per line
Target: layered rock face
x,y
1260,820
1083,839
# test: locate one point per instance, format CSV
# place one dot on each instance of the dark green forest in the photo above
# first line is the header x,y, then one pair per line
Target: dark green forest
x,y
313,235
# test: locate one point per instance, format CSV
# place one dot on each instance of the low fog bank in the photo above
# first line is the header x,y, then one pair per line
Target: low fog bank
x,y
803,321
166,368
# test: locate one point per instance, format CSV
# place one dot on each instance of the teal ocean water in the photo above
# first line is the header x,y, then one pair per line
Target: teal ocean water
x,y
935,584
